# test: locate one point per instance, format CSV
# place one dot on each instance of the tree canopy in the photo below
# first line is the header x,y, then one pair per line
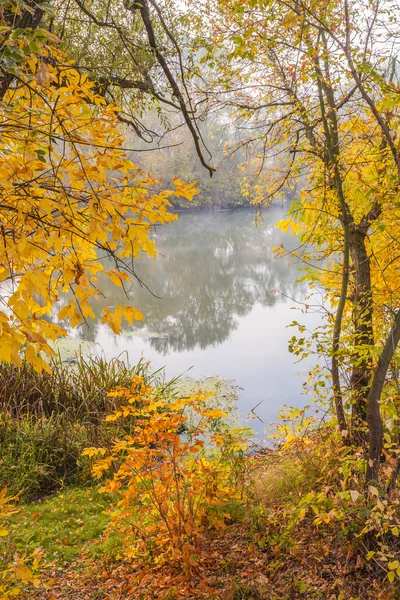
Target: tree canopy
x,y
69,193
317,85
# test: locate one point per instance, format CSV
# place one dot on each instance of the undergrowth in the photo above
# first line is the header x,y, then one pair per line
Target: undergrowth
x,y
175,478
310,502
183,511
179,474
47,420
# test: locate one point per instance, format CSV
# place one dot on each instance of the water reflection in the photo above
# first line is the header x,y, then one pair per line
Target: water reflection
x,y
217,315
214,268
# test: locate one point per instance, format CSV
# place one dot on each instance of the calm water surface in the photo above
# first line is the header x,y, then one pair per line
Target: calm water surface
x,y
215,313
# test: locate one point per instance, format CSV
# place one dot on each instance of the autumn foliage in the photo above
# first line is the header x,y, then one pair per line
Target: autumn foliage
x,y
316,87
178,475
69,195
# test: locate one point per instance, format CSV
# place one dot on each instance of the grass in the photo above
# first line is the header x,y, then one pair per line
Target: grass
x,y
47,420
245,591
66,526
41,455
78,391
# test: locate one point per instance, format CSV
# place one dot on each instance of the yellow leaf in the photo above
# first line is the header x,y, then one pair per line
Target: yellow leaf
x,y
23,573
64,312
131,314
373,491
6,183
93,451
33,358
117,277
114,320
87,311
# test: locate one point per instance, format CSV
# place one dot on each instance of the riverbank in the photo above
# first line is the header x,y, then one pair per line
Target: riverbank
x,y
182,509
258,555
47,420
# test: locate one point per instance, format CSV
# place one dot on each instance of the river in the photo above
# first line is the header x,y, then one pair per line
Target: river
x,y
221,306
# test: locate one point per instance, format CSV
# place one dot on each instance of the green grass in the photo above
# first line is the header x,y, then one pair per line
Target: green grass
x,y
47,420
243,590
66,525
78,391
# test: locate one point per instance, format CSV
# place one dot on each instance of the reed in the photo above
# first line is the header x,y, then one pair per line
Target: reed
x,y
47,420
79,389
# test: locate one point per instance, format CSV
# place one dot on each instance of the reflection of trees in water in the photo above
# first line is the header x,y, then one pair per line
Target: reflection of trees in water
x,y
215,267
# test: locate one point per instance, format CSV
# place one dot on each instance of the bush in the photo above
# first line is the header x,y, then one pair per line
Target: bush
x,y
46,421
313,488
179,475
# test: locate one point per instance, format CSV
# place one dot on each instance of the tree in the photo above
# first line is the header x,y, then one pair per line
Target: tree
x,y
20,36
68,195
133,52
319,92
232,183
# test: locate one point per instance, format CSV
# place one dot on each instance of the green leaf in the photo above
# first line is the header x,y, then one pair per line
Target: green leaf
x,y
41,154
47,7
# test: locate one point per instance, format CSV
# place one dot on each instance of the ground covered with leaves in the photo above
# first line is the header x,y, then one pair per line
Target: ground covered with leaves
x,y
183,509
246,560
236,570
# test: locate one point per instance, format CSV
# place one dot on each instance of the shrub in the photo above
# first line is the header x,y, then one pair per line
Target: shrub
x,y
178,475
46,421
313,485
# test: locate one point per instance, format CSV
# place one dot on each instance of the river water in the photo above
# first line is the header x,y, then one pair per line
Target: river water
x,y
214,311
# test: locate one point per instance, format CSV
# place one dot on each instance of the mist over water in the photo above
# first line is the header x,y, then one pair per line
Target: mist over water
x,y
214,308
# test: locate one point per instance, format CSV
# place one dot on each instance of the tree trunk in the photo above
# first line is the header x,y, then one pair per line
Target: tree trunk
x,y
373,409
363,329
331,129
28,19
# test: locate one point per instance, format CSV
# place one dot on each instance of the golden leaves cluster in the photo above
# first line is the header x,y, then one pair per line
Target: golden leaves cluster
x,y
175,475
69,194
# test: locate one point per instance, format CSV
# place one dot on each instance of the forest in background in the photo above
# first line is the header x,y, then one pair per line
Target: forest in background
x,y
231,186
